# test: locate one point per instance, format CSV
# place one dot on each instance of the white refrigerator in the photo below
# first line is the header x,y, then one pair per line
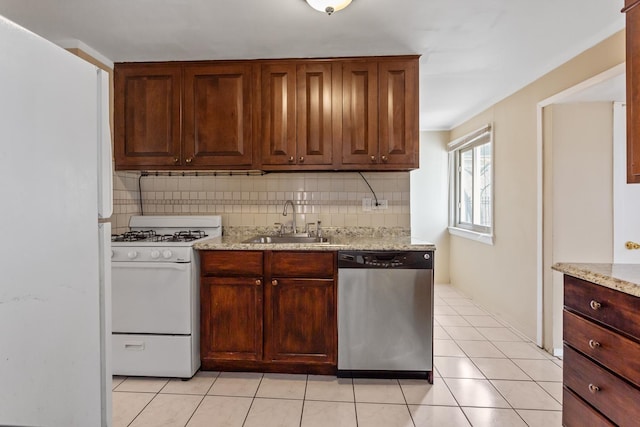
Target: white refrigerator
x,y
55,189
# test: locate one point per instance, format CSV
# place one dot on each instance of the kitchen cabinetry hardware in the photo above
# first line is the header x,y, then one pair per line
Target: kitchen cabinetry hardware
x,y
594,344
176,160
301,159
594,388
595,305
291,159
384,158
632,245
373,158
189,160
258,282
274,282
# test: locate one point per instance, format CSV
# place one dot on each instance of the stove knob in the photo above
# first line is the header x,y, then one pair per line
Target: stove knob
x,y
132,254
167,254
155,254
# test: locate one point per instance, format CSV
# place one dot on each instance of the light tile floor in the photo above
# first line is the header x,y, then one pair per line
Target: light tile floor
x,y
487,374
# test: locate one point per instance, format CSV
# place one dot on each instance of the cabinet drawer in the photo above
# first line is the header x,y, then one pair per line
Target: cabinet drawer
x,y
612,350
613,308
609,394
231,263
576,413
317,265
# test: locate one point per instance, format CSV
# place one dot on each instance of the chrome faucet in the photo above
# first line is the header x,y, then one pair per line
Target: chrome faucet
x,y
293,209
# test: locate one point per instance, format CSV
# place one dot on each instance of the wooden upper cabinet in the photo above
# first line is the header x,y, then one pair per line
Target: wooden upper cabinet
x,y
632,10
359,113
278,113
218,125
147,116
296,114
398,104
314,114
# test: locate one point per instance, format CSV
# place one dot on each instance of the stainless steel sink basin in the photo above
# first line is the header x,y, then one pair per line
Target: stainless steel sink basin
x,y
288,239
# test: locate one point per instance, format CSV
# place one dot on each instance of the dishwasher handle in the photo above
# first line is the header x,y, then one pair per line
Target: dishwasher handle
x,y
421,260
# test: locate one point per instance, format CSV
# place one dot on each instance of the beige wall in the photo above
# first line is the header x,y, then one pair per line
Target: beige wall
x,y
429,199
578,196
503,277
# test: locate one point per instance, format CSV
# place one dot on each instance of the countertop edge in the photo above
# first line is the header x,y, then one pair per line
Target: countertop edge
x,y
597,273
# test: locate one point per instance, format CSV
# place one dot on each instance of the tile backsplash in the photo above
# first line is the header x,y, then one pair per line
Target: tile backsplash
x,y
335,198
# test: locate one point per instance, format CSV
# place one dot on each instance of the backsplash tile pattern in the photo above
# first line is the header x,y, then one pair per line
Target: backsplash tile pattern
x,y
126,200
333,198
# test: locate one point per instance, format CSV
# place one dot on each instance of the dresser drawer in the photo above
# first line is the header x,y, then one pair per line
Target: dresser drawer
x,y
612,396
610,349
576,413
616,309
231,263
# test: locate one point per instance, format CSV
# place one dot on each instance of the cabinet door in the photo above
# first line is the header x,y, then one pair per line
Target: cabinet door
x,y
314,114
360,113
147,116
301,320
632,8
218,116
231,318
398,103
278,114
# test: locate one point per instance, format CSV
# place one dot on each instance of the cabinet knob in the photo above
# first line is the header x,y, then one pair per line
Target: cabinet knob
x,y
274,282
373,158
595,305
384,158
301,159
291,159
594,388
594,344
176,160
632,245
189,160
258,282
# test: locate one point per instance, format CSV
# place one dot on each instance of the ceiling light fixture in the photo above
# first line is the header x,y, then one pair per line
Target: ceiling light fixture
x,y
328,6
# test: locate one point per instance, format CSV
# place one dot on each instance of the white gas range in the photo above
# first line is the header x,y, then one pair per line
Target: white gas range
x,y
156,295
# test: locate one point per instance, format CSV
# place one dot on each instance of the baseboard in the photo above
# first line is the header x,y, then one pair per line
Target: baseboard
x,y
557,352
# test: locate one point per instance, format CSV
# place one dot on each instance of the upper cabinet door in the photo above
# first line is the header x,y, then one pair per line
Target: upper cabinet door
x,y
314,114
147,116
360,113
398,103
218,115
278,114
632,9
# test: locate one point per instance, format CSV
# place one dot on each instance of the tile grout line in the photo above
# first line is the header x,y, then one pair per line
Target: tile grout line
x,y
202,400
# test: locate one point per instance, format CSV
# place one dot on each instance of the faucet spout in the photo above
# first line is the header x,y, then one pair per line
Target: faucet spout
x,y
293,210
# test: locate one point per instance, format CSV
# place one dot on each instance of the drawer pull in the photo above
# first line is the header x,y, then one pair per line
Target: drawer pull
x,y
274,282
595,305
594,388
594,344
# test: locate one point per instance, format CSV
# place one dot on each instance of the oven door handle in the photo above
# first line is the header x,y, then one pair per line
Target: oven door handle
x,y
181,266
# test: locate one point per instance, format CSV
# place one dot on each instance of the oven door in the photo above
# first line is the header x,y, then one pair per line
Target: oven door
x,y
151,297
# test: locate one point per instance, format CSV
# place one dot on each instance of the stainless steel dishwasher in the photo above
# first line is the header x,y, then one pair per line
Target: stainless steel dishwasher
x,y
385,314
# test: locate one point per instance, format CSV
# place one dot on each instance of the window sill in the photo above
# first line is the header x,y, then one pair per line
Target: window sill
x,y
487,239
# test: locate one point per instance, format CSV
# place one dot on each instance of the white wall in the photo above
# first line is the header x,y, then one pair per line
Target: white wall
x,y
626,226
578,198
429,199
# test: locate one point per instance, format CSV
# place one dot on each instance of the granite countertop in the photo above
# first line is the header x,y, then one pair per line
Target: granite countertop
x,y
620,277
339,240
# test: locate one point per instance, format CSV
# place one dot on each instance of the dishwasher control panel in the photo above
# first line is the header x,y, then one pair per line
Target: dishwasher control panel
x,y
386,259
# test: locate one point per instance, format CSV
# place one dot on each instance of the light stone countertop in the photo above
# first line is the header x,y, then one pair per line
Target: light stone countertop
x,y
620,277
336,243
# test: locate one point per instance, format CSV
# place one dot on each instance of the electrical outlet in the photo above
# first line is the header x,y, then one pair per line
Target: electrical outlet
x,y
382,205
366,205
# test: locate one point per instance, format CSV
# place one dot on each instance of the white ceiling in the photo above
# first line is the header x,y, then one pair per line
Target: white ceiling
x,y
474,52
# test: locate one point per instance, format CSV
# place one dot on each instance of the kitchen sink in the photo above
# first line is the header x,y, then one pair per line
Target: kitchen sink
x,y
287,239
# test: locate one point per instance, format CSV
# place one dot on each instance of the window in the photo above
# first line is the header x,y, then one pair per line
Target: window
x,y
471,188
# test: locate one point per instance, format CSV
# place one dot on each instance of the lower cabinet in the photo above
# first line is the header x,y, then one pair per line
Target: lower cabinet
x,y
270,311
601,376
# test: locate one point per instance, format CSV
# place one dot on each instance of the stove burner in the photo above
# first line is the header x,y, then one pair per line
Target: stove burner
x,y
133,236
151,236
186,236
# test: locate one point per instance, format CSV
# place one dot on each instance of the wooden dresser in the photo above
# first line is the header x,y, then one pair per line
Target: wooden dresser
x,y
601,355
